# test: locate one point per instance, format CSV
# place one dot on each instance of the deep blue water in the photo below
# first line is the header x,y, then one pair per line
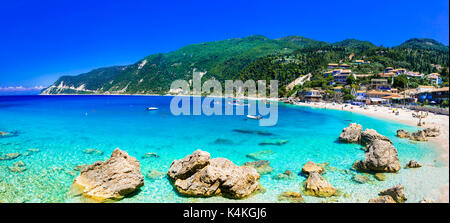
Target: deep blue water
x,y
61,127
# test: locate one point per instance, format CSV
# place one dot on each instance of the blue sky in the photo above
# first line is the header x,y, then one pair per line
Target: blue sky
x,y
42,40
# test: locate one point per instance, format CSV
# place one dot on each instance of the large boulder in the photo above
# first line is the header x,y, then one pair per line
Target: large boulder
x,y
370,135
381,156
112,179
382,199
403,133
184,168
219,176
351,134
396,192
432,132
310,167
420,135
317,186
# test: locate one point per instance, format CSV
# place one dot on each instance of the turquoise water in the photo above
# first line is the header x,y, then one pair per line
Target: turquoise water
x,y
61,127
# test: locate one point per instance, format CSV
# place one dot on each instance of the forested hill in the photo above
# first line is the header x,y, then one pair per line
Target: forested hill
x,y
254,57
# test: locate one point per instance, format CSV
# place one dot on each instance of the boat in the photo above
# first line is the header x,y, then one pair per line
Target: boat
x,y
254,117
152,108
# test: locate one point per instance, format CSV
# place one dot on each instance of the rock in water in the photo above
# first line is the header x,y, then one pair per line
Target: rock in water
x,y
396,192
419,136
413,164
310,167
403,134
10,156
291,196
287,175
93,151
197,175
112,179
351,134
260,154
382,199
154,175
273,142
184,168
315,185
432,132
380,176
370,135
262,166
150,155
360,179
381,156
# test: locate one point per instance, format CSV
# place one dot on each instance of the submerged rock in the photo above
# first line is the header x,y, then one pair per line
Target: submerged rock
x,y
260,154
370,135
150,155
315,185
291,196
360,179
18,167
7,134
420,136
10,156
382,199
111,179
351,134
403,133
273,142
262,133
33,150
262,166
198,175
154,174
93,151
287,175
79,167
380,176
396,192
381,156
221,141
413,164
310,167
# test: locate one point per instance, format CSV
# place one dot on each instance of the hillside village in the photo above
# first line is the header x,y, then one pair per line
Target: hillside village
x,y
392,86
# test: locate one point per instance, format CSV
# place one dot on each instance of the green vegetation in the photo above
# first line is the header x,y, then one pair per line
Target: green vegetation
x,y
260,58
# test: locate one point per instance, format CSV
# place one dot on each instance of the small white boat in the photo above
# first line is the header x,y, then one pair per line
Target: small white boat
x,y
254,117
152,108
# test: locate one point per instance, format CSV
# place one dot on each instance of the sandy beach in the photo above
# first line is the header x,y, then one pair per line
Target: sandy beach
x,y
440,143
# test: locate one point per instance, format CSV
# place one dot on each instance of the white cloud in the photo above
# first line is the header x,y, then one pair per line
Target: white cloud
x,y
21,88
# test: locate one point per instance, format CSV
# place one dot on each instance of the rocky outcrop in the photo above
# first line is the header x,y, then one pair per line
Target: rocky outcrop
x,y
184,168
310,167
403,133
420,136
413,164
111,179
432,132
262,166
317,186
351,134
381,156
198,175
396,192
370,135
382,199
291,196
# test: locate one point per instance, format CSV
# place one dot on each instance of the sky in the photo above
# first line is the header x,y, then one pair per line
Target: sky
x,y
43,40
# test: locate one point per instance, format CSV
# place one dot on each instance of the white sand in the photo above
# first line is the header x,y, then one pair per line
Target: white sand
x,y
441,143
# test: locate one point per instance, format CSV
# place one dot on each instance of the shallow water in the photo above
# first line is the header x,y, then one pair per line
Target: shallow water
x,y
61,127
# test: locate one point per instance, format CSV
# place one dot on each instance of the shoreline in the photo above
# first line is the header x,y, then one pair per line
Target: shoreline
x,y
440,143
